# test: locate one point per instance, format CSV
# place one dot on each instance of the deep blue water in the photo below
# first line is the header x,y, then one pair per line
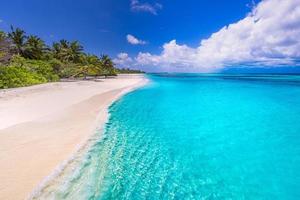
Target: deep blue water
x,y
192,136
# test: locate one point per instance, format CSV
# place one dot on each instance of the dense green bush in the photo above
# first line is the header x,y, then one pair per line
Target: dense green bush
x,y
24,72
68,71
40,67
56,65
15,76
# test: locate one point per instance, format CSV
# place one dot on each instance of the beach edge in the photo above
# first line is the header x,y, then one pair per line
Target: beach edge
x,y
99,126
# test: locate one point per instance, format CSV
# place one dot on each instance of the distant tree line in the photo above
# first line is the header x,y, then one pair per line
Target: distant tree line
x,y
27,60
129,71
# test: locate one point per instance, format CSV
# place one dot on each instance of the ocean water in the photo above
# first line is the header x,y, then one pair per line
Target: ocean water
x,y
193,136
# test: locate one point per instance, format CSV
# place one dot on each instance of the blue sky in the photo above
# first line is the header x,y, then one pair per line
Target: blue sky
x,y
102,26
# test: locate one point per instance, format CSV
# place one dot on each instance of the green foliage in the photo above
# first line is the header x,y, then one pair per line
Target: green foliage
x,y
57,65
15,76
68,71
18,38
129,71
108,66
40,67
27,60
67,51
93,63
34,48
25,72
6,48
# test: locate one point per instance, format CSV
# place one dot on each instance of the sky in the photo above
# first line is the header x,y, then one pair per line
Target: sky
x,y
170,35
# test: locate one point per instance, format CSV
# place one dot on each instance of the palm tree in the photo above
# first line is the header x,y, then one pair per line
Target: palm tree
x,y
59,49
34,47
6,49
64,44
75,50
84,70
108,66
56,49
66,51
95,63
18,38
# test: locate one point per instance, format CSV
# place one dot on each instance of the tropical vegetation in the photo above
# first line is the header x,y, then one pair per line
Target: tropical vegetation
x,y
26,60
129,71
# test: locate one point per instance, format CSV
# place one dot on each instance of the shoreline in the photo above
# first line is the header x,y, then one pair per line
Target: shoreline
x,y
57,130
81,147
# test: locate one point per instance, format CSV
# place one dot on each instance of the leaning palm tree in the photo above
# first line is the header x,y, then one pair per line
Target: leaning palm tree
x,y
34,47
108,66
96,64
18,38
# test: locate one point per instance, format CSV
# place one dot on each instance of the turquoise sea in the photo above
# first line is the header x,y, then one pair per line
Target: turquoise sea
x,y
193,136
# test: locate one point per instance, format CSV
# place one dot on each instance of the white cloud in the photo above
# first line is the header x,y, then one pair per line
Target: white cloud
x,y
173,57
136,6
133,40
268,35
1,20
123,60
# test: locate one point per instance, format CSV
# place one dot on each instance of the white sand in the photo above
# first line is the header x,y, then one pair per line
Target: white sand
x,y
41,126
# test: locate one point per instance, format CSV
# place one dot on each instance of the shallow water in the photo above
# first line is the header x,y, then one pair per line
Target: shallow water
x,y
195,137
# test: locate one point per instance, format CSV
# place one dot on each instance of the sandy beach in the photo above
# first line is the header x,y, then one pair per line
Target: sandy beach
x,y
42,125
